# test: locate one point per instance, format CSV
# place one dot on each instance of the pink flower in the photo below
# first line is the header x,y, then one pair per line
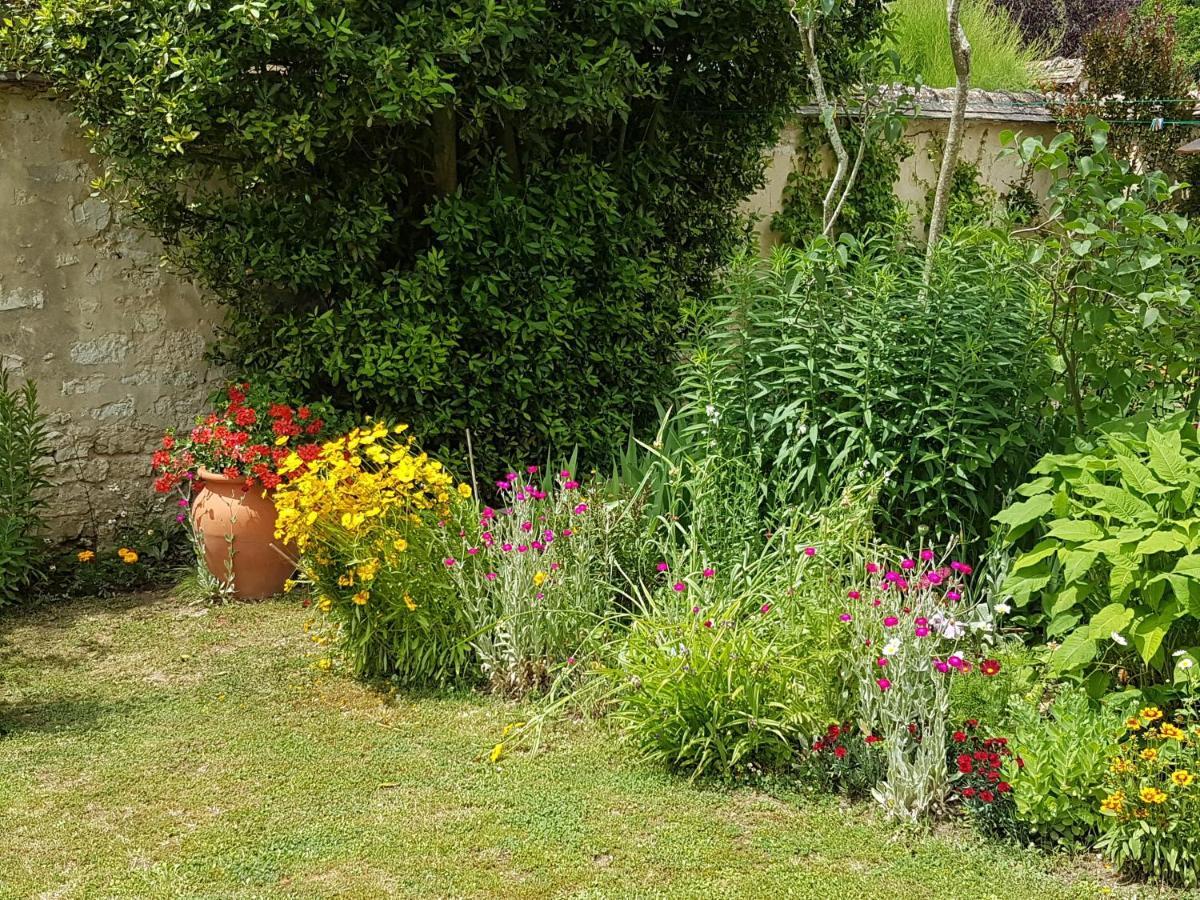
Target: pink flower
x,y
554,567
927,555
892,576
449,561
662,567
548,534
953,596
810,551
537,545
872,568
933,577
883,683
876,602
854,595
506,547
680,586
961,568
882,661
490,576
521,548
471,551
695,609
890,622
581,509
527,526
184,502
180,517
511,476
708,623
564,474
709,573
956,661
567,532
532,470
539,595
503,485
846,617
570,660
765,608
570,485
941,666
921,631
488,512
921,620
908,564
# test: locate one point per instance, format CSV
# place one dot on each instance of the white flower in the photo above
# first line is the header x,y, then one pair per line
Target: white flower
x,y
713,415
891,648
1186,663
1003,608
1117,639
1179,653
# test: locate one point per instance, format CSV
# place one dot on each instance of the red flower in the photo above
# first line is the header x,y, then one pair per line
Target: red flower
x,y
280,411
308,452
818,746
159,459
314,426
834,731
871,739
990,667
968,792
303,413
839,751
231,472
270,480
972,723
245,416
168,442
964,764
987,796
959,736
1004,787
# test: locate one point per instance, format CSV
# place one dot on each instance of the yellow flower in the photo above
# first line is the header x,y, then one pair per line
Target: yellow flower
x,y
1113,803
1152,795
345,580
1168,730
539,578
1149,754
511,727
1182,777
129,557
362,597
1121,766
400,544
281,440
464,491
1151,713
324,663
368,570
497,752
86,556
288,586
1133,723
408,601
325,604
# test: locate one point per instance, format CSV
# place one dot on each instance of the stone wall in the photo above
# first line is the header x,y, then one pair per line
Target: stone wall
x,y
114,343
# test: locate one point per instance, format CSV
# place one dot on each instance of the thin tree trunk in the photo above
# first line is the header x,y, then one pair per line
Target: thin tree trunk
x,y
960,48
830,206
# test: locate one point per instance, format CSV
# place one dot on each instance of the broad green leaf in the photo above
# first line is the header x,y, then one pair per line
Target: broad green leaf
x,y
1166,456
1067,598
1188,565
1076,563
1024,512
1114,617
1076,530
1138,476
1161,542
1120,503
1121,578
1076,652
1148,635
1062,623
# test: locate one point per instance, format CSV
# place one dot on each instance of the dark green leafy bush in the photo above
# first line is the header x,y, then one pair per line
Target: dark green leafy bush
x,y
459,215
23,482
826,366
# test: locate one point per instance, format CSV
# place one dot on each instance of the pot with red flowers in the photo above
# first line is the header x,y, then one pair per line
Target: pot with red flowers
x,y
225,470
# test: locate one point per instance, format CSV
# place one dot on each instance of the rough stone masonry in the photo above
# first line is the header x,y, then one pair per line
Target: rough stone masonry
x,y
114,342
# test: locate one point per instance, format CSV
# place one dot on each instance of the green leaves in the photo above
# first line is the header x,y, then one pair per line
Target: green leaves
x,y
1115,528
24,450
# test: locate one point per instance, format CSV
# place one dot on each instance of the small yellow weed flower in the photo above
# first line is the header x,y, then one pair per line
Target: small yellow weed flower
x,y
86,556
325,604
1152,795
345,580
1151,714
1182,777
539,578
408,601
324,663
464,491
362,597
1167,730
400,544
1121,766
497,752
1149,754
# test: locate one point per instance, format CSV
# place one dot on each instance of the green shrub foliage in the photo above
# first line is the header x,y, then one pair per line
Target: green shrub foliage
x,y
479,215
23,484
1112,569
827,367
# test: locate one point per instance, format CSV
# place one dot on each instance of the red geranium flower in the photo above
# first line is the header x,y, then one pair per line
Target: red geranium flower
x,y
959,736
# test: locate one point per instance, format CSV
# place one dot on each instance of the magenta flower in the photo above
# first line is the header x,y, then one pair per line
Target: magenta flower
x,y
695,609
876,602
708,623
449,561
921,620
570,485
927,555
539,595
532,470
941,666
527,526
921,631
933,577
503,485
511,476
810,551
570,660
490,576
953,596
180,517
548,534
662,567
961,568
680,586
564,474
537,545
471,551
581,509
709,573
956,661
890,622
882,661
872,568
506,547
489,513
908,564
521,548
567,532
883,683
765,608
891,576
854,595
554,567
184,502
846,617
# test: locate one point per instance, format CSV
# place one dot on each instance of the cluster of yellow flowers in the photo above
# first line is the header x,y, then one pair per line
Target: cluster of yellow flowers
x,y
1155,768
353,508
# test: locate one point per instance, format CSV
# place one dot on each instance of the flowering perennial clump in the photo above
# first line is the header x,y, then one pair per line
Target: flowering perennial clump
x,y
1152,806
532,575
977,764
366,513
909,631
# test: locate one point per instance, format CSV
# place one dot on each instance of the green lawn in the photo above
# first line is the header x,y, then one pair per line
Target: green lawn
x,y
153,748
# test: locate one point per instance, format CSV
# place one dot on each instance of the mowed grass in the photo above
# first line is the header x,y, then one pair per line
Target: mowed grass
x,y
157,749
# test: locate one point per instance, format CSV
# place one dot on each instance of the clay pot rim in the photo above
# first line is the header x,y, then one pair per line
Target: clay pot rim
x,y
203,475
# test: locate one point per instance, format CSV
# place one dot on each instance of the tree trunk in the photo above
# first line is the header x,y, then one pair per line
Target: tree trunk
x,y
960,48
445,150
832,203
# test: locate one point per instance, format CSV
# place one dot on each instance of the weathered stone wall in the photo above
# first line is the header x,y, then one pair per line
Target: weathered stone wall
x,y
114,343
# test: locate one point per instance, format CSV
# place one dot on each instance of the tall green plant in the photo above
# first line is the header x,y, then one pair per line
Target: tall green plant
x,y
24,466
825,367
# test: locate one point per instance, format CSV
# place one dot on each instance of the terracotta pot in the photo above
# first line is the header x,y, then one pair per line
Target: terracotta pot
x,y
237,530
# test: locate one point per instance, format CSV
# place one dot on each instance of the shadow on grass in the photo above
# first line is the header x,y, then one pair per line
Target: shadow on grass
x,y
68,714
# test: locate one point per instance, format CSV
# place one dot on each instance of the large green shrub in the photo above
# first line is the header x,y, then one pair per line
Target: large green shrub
x,y
23,472
461,215
827,367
